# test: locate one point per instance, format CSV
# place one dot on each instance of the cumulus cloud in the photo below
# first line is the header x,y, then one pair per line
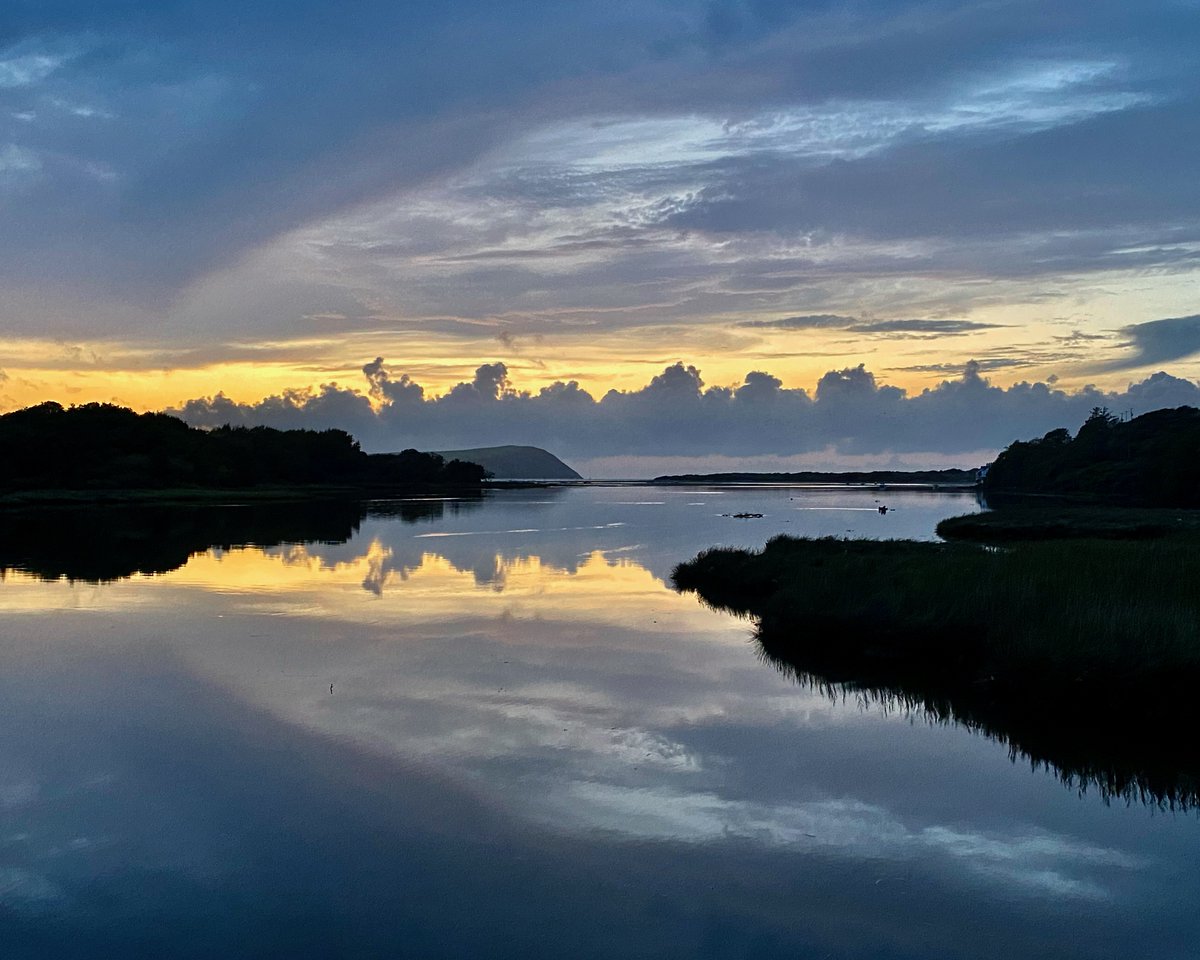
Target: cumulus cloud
x,y
384,390
677,415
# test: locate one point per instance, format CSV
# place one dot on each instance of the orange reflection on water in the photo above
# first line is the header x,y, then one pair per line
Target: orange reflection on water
x,y
430,587
376,585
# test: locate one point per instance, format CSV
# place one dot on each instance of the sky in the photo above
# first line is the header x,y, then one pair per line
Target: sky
x,y
648,235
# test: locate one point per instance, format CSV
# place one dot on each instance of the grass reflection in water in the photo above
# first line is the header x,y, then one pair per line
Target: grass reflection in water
x,y
1079,654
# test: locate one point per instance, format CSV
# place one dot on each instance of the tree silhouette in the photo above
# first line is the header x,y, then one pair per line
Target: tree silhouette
x,y
100,446
1153,459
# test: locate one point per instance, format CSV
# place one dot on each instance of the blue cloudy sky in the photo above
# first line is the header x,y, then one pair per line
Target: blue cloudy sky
x,y
696,209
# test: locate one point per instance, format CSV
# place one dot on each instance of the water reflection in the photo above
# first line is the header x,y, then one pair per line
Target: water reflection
x,y
100,545
535,558
1130,752
532,748
155,816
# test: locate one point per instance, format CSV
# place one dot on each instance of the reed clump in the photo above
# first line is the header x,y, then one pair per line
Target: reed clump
x,y
1080,653
1083,610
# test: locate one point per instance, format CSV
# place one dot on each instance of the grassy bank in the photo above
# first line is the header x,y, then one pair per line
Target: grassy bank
x,y
1082,653
1090,610
1059,522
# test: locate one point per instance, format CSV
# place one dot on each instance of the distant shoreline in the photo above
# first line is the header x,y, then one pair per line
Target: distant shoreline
x,y
951,478
308,493
660,482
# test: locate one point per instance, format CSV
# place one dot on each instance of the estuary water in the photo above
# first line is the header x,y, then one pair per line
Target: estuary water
x,y
490,728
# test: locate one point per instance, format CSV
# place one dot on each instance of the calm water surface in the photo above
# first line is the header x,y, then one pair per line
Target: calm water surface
x,y
491,729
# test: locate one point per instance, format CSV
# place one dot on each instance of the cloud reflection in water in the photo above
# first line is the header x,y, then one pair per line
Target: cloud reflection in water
x,y
565,686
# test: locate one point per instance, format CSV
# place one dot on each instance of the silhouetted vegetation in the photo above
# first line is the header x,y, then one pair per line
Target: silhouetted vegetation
x,y
1024,523
101,447
1084,654
103,545
1153,460
951,477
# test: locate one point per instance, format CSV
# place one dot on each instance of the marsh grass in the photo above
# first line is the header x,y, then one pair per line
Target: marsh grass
x,y
1030,523
1080,653
1088,608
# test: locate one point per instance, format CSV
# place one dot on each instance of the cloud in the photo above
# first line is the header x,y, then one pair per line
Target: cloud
x,y
1044,863
921,328
23,71
831,321
225,129
966,184
646,157
676,415
1158,341
991,363
1079,336
383,390
814,321
942,327
17,163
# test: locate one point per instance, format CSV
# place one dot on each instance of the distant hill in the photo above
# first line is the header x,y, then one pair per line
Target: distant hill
x,y
515,463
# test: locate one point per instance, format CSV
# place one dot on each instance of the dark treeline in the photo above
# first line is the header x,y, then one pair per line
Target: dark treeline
x,y
1153,460
951,476
100,545
105,447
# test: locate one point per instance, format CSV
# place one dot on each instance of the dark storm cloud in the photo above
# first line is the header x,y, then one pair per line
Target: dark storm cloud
x,y
675,414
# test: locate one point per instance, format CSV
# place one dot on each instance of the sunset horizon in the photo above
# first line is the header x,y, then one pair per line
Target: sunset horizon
x,y
737,188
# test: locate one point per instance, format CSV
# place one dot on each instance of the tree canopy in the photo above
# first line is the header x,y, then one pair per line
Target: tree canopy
x,y
1153,459
100,446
